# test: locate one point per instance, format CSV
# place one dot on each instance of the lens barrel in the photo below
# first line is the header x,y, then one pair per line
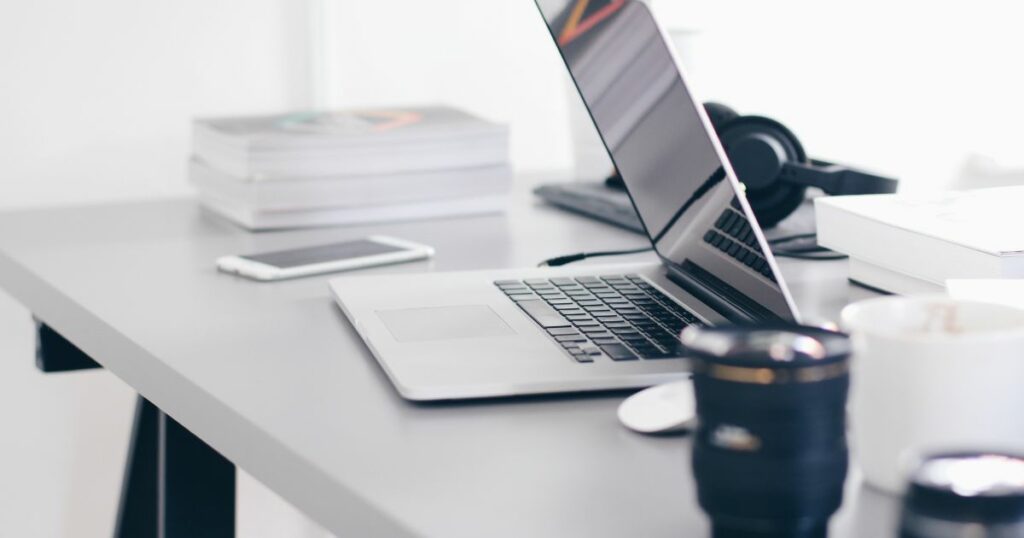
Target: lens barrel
x,y
770,454
965,495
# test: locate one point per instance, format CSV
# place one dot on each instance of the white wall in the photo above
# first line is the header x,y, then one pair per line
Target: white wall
x,y
906,88
492,57
97,95
914,89
95,102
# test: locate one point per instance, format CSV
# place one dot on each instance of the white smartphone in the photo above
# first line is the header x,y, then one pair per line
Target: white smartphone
x,y
368,252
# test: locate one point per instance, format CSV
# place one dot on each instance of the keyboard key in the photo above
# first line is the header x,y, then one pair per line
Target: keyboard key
x,y
618,352
731,219
736,227
544,315
583,357
576,312
661,336
586,313
608,318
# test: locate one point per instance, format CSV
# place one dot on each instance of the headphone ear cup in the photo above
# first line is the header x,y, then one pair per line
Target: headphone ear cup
x,y
720,115
745,140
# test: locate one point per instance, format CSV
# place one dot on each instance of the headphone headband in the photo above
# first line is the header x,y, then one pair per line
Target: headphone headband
x,y
770,160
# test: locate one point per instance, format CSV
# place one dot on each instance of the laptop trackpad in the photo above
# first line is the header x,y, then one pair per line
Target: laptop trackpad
x,y
443,323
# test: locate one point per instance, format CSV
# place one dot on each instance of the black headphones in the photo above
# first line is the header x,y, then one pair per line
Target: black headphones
x,y
769,159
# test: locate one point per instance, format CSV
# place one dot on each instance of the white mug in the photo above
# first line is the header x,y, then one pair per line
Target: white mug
x,y
932,374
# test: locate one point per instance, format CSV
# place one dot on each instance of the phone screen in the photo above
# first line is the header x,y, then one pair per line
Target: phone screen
x,y
286,259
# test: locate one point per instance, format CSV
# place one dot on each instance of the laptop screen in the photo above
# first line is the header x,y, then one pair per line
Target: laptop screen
x,y
665,150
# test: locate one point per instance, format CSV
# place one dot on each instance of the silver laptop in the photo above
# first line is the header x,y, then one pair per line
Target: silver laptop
x,y
528,331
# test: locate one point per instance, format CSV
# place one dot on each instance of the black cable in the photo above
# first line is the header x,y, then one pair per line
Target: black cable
x,y
563,260
804,250
812,253
800,256
791,238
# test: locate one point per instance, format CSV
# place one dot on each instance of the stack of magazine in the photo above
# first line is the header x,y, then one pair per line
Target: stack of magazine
x,y
350,167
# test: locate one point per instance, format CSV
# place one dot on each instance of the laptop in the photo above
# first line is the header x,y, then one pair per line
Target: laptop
x,y
443,336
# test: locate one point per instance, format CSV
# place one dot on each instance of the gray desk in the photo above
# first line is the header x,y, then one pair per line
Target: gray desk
x,y
273,378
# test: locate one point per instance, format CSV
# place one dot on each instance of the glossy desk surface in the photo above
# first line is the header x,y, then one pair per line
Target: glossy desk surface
x,y
273,377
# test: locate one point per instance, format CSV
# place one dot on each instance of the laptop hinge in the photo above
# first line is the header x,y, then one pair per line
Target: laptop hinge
x,y
723,298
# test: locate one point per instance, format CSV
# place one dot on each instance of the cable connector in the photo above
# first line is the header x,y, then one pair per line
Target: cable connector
x,y
570,258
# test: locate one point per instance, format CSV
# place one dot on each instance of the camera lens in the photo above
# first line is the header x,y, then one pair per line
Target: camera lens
x,y
770,454
965,495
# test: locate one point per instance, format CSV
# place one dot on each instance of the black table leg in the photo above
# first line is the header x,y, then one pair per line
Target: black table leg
x,y
54,353
174,484
196,486
137,511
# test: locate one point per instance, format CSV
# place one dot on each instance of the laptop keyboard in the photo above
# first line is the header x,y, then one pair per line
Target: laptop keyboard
x,y
621,318
733,236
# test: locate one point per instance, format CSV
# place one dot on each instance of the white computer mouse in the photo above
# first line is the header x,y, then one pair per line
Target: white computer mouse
x,y
666,408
